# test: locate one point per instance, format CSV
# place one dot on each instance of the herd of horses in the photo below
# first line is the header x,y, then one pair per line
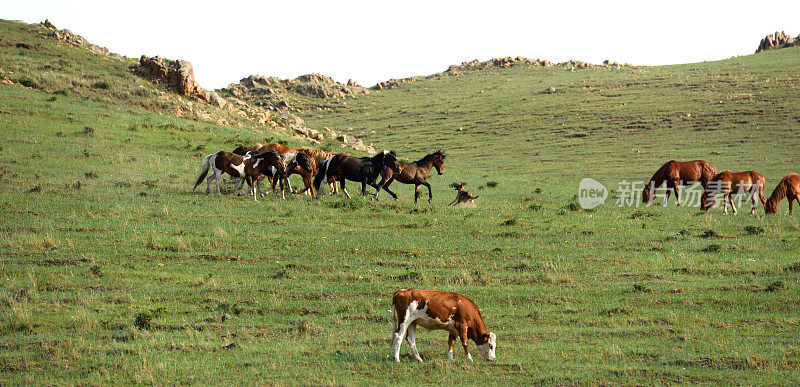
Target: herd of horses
x,y
676,173
317,168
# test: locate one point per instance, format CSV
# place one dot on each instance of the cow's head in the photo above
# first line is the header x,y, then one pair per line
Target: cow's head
x,y
487,349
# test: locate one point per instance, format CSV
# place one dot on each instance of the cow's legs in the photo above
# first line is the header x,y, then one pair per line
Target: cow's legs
x,y
412,341
398,339
465,341
451,342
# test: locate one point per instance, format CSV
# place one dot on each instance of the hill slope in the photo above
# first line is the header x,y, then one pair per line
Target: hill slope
x,y
602,122
113,270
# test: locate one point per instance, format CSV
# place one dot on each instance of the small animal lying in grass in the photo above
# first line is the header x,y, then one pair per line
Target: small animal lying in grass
x,y
463,196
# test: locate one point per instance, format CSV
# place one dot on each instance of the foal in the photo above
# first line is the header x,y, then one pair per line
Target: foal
x,y
414,173
462,196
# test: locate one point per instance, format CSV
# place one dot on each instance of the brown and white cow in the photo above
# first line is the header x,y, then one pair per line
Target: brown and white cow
x,y
433,309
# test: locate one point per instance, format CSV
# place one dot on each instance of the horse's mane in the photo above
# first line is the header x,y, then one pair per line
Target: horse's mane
x,y
777,195
429,157
658,177
318,155
304,161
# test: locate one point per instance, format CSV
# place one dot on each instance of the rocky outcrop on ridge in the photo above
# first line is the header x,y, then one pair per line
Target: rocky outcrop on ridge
x,y
777,40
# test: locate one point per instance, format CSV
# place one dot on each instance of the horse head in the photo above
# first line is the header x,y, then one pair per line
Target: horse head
x,y
647,194
438,161
389,159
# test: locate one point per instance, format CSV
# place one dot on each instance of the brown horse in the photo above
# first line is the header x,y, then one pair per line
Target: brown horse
x,y
360,169
788,188
413,173
677,173
304,166
729,183
318,156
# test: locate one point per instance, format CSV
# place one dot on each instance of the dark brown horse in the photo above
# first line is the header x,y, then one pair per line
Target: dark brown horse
x,y
413,173
729,183
677,173
361,169
788,188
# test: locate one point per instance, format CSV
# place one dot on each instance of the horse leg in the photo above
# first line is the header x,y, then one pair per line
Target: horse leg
x,y
430,194
416,192
676,186
725,199
253,187
790,204
344,189
217,176
363,188
666,197
753,194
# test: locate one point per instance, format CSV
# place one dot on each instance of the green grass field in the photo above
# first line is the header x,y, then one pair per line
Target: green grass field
x,y
115,271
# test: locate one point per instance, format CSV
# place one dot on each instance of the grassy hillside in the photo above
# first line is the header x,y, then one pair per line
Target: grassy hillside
x,y
611,124
113,270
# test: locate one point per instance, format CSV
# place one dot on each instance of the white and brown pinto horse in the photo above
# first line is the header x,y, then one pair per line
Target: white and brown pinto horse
x,y
730,183
360,169
414,173
249,167
676,173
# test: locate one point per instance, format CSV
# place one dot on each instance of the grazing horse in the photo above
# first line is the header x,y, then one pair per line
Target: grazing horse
x,y
363,169
677,173
788,188
414,173
304,166
729,183
250,167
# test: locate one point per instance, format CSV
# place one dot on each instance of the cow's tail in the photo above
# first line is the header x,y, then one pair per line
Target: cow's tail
x,y
394,324
205,167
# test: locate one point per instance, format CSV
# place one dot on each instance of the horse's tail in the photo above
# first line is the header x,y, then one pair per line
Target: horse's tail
x,y
322,175
206,165
761,183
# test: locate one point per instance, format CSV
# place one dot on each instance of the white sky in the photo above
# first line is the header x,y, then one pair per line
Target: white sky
x,y
372,41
